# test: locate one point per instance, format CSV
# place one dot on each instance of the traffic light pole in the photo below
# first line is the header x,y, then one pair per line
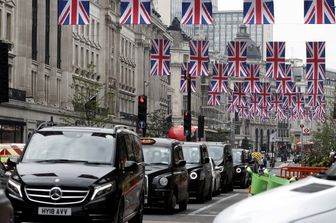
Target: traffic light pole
x,y
188,136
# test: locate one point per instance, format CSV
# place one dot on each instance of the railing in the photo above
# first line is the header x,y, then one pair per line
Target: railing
x,y
16,94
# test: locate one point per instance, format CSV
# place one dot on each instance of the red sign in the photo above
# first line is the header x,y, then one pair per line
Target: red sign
x,y
302,126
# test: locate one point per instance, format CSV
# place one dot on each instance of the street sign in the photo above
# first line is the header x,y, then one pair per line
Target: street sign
x,y
141,124
302,126
306,131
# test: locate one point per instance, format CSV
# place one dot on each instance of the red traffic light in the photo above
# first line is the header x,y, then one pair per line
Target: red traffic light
x,y
142,99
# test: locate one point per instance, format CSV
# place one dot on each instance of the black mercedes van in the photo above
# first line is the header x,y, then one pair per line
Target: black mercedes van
x,y
80,174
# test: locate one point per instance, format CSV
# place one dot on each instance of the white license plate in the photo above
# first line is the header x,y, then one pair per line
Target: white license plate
x,y
54,211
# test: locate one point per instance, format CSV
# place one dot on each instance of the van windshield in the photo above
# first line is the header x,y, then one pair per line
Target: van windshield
x,y
216,153
67,146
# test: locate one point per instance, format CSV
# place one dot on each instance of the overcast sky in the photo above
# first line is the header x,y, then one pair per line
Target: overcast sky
x,y
289,27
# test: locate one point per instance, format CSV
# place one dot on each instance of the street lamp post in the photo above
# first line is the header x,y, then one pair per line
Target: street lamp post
x,y
301,136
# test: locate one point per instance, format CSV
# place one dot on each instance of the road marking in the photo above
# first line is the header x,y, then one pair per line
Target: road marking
x,y
211,205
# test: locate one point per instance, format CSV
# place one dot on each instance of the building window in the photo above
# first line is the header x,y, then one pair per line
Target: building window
x,y
59,47
87,58
46,88
11,132
58,91
82,57
47,33
237,130
122,46
76,55
33,84
9,27
10,76
97,36
97,63
34,30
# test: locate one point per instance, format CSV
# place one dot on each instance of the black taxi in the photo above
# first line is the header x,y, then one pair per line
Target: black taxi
x,y
199,169
241,177
166,174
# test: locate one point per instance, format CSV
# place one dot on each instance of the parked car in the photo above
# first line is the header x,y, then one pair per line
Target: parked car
x,y
6,209
308,200
79,174
166,174
216,177
222,155
241,177
199,170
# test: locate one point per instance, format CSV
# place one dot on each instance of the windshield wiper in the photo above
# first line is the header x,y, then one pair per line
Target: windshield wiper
x,y
60,161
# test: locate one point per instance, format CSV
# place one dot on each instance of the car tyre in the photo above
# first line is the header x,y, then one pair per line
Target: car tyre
x,y
138,218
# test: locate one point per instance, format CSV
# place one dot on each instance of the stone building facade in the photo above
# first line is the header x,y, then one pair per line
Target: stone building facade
x,y
49,63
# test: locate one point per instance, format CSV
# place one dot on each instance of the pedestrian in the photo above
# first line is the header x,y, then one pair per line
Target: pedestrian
x,y
6,210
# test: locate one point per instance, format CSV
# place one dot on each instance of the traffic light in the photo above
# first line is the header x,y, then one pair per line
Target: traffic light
x,y
4,47
142,111
200,126
187,123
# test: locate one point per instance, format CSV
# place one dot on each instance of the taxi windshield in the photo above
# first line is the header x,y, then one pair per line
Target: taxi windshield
x,y
86,147
156,155
192,154
237,156
216,152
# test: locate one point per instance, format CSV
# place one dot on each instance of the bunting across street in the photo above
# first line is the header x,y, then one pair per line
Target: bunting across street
x,y
319,12
285,84
197,12
73,12
214,98
199,58
160,57
258,12
135,12
238,94
315,67
315,87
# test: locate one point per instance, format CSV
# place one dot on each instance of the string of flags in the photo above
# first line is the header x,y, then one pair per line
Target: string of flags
x,y
195,12
251,96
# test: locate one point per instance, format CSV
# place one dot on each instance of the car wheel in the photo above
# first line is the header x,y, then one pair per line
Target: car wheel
x,y
183,205
138,218
171,207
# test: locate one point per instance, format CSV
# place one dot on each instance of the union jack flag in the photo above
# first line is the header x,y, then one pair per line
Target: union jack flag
x,y
280,115
214,98
289,100
275,60
292,115
199,58
232,108
220,79
285,84
184,80
315,87
239,94
265,96
258,12
315,100
252,82
160,57
254,104
73,12
319,111
277,100
135,12
299,104
243,111
315,69
308,115
319,12
237,53
196,12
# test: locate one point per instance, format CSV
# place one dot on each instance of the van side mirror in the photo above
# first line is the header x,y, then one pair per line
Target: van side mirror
x,y
130,166
207,160
181,163
11,162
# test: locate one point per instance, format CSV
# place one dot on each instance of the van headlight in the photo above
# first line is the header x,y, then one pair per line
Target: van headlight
x,y
14,189
102,190
193,175
163,181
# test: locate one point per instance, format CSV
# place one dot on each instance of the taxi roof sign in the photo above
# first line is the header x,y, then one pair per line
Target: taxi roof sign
x,y
148,141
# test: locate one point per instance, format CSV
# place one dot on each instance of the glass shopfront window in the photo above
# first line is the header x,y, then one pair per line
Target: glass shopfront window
x,y
11,133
